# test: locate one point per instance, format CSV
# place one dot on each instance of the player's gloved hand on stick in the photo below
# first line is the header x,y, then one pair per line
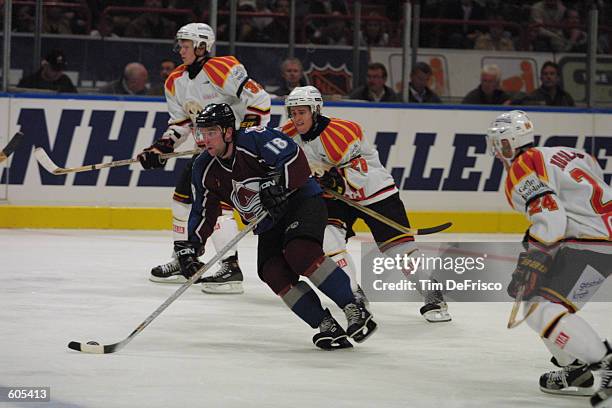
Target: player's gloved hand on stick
x,y
187,253
333,180
150,157
273,195
530,270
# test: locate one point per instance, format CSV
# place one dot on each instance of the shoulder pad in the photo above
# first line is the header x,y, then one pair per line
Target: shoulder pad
x,y
289,129
218,68
338,136
178,71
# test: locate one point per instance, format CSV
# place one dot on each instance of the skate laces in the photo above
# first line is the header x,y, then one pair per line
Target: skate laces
x,y
226,267
559,376
352,312
606,372
326,324
170,267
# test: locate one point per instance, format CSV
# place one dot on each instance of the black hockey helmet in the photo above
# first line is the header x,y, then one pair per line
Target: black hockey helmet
x,y
216,114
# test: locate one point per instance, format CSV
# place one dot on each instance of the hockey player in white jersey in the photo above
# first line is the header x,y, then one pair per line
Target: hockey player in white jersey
x,y
568,254
348,164
199,81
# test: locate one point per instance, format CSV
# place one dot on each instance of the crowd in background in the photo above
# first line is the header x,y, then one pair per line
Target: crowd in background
x,y
529,25
536,25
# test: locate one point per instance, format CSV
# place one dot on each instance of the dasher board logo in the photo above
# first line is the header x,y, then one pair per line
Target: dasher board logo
x,y
329,79
574,74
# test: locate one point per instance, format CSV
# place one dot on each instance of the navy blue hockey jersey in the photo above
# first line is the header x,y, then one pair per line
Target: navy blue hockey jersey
x,y
257,152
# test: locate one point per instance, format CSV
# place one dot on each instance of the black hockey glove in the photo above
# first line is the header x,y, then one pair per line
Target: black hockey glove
x,y
273,195
333,180
150,157
187,253
530,270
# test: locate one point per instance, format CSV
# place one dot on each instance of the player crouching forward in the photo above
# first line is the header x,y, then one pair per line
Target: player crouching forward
x,y
349,165
257,170
562,192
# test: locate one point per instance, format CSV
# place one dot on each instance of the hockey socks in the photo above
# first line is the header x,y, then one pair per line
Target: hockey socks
x,y
332,281
305,303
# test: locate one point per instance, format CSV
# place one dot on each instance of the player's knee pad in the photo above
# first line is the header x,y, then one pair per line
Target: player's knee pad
x,y
545,316
225,230
277,275
334,240
573,335
303,255
180,216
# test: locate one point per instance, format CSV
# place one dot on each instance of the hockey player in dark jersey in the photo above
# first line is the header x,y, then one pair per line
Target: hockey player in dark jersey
x,y
260,169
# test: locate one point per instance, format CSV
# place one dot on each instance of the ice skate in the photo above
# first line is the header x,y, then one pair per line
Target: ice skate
x,y
360,296
360,324
602,398
574,379
227,280
435,309
167,273
332,336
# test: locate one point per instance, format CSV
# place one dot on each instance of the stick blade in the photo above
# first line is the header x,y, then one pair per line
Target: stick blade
x,y
44,160
433,230
13,143
92,348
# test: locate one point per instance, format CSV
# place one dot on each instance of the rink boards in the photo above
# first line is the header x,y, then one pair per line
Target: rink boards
x,y
437,155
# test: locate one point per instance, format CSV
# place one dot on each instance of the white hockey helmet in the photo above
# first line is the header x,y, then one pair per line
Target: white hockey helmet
x,y
199,33
508,133
305,96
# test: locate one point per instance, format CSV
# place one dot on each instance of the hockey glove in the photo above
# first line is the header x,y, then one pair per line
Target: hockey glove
x,y
273,195
333,180
150,157
530,270
187,253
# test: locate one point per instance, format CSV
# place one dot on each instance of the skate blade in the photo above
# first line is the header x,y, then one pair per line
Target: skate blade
x,y
437,316
329,344
366,331
177,279
575,391
228,288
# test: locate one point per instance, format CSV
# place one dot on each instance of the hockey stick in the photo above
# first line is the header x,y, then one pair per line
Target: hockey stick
x,y
96,348
45,161
11,146
512,321
389,222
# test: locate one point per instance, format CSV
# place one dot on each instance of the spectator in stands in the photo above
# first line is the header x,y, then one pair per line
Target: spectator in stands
x,y
497,38
334,33
293,76
50,75
462,36
132,82
23,21
165,68
574,38
249,30
105,28
375,34
550,92
488,92
54,21
375,89
419,91
278,31
547,12
151,24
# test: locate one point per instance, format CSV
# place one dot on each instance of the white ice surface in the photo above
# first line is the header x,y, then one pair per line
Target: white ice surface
x,y
240,350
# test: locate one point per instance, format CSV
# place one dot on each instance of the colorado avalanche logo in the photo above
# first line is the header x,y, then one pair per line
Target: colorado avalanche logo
x,y
245,197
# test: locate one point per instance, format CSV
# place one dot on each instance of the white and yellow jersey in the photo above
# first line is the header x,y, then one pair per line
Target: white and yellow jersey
x,y
563,194
341,144
221,80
